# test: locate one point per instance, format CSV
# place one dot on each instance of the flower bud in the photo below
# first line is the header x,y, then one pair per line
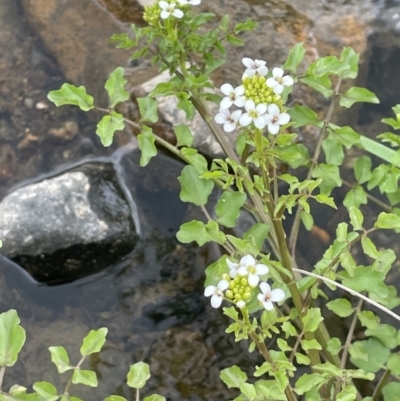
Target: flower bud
x,y
244,281
229,294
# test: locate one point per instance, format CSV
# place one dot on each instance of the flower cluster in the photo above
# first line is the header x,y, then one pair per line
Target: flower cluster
x,y
171,7
260,97
241,283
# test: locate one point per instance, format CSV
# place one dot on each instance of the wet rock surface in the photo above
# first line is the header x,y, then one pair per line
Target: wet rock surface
x,y
68,226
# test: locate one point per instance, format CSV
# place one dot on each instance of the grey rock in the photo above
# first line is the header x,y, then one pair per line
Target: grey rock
x,y
67,226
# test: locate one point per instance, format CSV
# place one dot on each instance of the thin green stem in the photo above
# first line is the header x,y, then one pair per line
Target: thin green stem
x,y
382,382
137,394
296,222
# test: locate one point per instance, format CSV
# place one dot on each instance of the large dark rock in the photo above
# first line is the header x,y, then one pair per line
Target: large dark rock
x,y
68,226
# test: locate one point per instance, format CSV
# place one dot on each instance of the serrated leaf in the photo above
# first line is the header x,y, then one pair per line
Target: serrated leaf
x,y
12,338
138,375
60,358
387,221
86,377
308,381
295,57
281,379
302,359
356,218
355,197
326,200
385,333
186,105
333,150
193,188
228,207
148,109
233,376
341,307
328,65
366,279
259,232
334,345
310,344
312,319
302,115
94,341
146,141
346,135
107,127
330,177
368,319
184,136
375,352
201,233
320,84
355,94
248,390
369,248
72,95
115,86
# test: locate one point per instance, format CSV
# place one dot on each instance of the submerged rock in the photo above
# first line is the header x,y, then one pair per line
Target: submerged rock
x,y
69,226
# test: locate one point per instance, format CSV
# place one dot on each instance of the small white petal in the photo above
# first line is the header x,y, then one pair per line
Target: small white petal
x,y
229,126
194,2
262,70
240,101
239,90
267,118
268,305
227,89
232,265
277,72
250,72
223,285
210,290
277,295
287,80
247,62
273,128
236,115
261,269
253,280
164,14
245,120
247,260
242,271
273,109
183,2
261,108
249,105
271,82
259,122
265,287
163,4
241,304
220,118
278,89
226,102
261,297
177,13
216,301
283,119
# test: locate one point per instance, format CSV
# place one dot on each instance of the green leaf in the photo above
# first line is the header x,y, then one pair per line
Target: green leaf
x,y
366,279
346,135
307,220
355,94
326,200
60,358
107,127
138,375
146,141
387,221
385,333
377,355
312,319
215,271
356,218
94,341
379,150
349,393
355,197
310,344
368,319
234,41
333,150
46,390
302,359
201,233
86,377
351,58
307,382
259,232
73,95
334,346
281,379
12,338
184,136
115,398
295,57
115,86
330,177
362,169
193,188
341,307
302,115
328,65
390,137
248,390
154,397
228,207
193,157
320,84
393,364
233,376
391,392
369,248
186,105
148,109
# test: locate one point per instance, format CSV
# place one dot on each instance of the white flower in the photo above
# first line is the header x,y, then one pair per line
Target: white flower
x,y
254,113
233,96
277,81
240,304
191,2
233,268
230,120
274,118
216,293
169,9
248,266
255,66
268,296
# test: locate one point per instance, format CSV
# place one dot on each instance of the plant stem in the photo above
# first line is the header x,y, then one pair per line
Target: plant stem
x,y
296,223
137,395
2,370
382,382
